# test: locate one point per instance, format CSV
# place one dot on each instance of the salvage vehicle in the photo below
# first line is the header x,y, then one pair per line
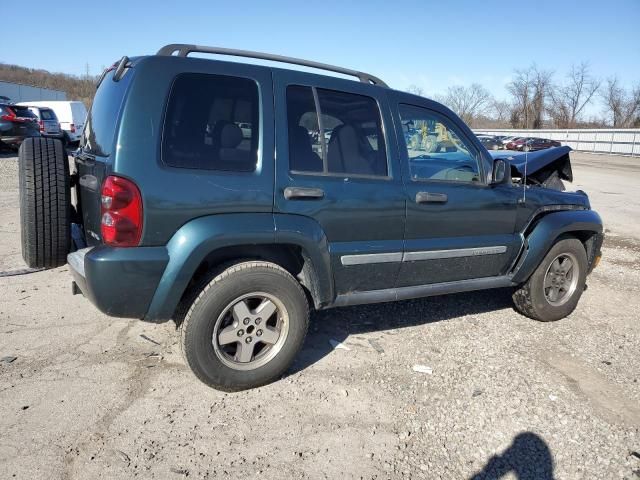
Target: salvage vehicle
x,y
208,193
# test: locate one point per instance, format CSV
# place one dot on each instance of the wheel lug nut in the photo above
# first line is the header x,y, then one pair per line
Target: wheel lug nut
x,y
246,321
258,320
248,339
240,332
259,332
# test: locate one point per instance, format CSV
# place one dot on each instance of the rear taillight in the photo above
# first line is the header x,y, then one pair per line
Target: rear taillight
x,y
41,123
11,116
72,128
121,210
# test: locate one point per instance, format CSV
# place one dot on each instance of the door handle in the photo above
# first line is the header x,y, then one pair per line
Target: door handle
x,y
303,193
428,197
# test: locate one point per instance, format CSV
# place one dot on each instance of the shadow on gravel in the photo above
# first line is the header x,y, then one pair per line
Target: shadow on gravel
x,y
528,458
338,323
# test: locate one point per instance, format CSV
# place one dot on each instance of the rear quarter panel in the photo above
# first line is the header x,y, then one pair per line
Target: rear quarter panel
x,y
173,196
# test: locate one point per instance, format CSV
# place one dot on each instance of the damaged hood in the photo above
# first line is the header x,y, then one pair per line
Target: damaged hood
x,y
541,164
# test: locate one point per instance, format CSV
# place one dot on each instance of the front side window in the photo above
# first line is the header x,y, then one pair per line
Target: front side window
x,y
344,137
212,123
436,149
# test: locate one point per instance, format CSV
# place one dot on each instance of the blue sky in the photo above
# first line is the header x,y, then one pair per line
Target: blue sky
x,y
432,44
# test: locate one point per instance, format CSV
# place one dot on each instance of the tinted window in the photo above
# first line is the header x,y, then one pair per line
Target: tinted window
x,y
435,148
23,112
99,132
212,123
345,137
46,114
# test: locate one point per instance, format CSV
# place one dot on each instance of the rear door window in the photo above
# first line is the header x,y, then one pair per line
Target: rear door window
x,y
335,132
46,114
212,123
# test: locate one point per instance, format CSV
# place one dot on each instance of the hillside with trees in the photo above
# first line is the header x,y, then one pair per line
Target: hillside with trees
x,y
76,87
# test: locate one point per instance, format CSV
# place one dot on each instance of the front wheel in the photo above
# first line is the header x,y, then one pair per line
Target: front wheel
x,y
245,327
555,287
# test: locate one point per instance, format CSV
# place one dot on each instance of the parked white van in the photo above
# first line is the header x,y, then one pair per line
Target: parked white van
x,y
71,115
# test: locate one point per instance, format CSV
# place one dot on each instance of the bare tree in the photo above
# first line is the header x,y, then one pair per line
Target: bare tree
x,y
468,102
415,89
567,101
622,107
529,90
501,111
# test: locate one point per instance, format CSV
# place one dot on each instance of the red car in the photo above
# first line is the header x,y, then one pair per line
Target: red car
x,y
531,144
516,142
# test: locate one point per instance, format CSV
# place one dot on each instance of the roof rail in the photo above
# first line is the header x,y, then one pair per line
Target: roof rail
x,y
183,50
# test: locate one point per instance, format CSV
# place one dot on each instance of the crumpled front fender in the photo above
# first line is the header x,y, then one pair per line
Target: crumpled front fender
x,y
544,234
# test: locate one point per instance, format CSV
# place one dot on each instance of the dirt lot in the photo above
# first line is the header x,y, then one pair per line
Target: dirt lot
x,y
89,396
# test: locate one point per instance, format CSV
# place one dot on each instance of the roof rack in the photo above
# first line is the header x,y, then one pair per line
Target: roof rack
x,y
183,50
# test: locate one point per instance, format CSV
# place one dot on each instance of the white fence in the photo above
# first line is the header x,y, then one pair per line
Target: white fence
x,y
606,140
17,92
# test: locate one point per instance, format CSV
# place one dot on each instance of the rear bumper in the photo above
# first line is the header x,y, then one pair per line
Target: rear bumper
x,y
72,136
52,135
120,282
15,140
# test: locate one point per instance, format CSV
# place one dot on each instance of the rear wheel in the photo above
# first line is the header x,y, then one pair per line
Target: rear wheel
x,y
245,327
554,289
45,202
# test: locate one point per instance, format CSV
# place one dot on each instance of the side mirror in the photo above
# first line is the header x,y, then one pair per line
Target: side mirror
x,y
501,172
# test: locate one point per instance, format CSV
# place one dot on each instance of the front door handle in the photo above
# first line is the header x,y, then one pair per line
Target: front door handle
x,y
429,197
303,193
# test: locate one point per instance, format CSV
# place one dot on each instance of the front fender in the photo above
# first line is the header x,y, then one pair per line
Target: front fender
x,y
545,233
193,242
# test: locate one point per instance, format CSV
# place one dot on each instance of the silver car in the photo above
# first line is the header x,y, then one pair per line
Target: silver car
x,y
48,121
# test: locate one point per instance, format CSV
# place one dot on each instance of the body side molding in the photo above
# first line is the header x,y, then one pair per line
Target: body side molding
x,y
405,293
368,258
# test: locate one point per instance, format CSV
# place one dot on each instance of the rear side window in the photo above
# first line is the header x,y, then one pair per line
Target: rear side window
x,y
98,135
46,114
212,123
334,132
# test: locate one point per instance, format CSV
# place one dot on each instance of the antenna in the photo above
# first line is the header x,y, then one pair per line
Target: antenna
x,y
524,183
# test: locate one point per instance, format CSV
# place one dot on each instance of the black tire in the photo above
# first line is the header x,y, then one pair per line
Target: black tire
x,y
45,202
530,298
197,329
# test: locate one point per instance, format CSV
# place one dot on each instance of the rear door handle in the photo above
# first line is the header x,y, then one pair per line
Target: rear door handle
x,y
428,197
303,193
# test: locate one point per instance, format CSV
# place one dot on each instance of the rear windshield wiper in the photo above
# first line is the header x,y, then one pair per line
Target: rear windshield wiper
x,y
119,67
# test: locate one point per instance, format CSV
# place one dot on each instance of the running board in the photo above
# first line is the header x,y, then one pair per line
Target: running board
x,y
405,293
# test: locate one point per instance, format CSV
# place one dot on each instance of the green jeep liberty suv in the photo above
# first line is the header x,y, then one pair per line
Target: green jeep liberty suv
x,y
231,197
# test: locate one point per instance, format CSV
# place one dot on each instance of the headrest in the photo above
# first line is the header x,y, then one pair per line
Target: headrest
x,y
230,136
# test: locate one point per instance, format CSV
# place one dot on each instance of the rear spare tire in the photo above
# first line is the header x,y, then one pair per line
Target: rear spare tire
x,y
45,202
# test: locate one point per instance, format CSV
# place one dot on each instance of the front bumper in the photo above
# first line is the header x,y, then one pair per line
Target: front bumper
x,y
120,282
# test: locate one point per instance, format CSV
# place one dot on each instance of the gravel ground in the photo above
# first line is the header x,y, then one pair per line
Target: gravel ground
x,y
501,396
